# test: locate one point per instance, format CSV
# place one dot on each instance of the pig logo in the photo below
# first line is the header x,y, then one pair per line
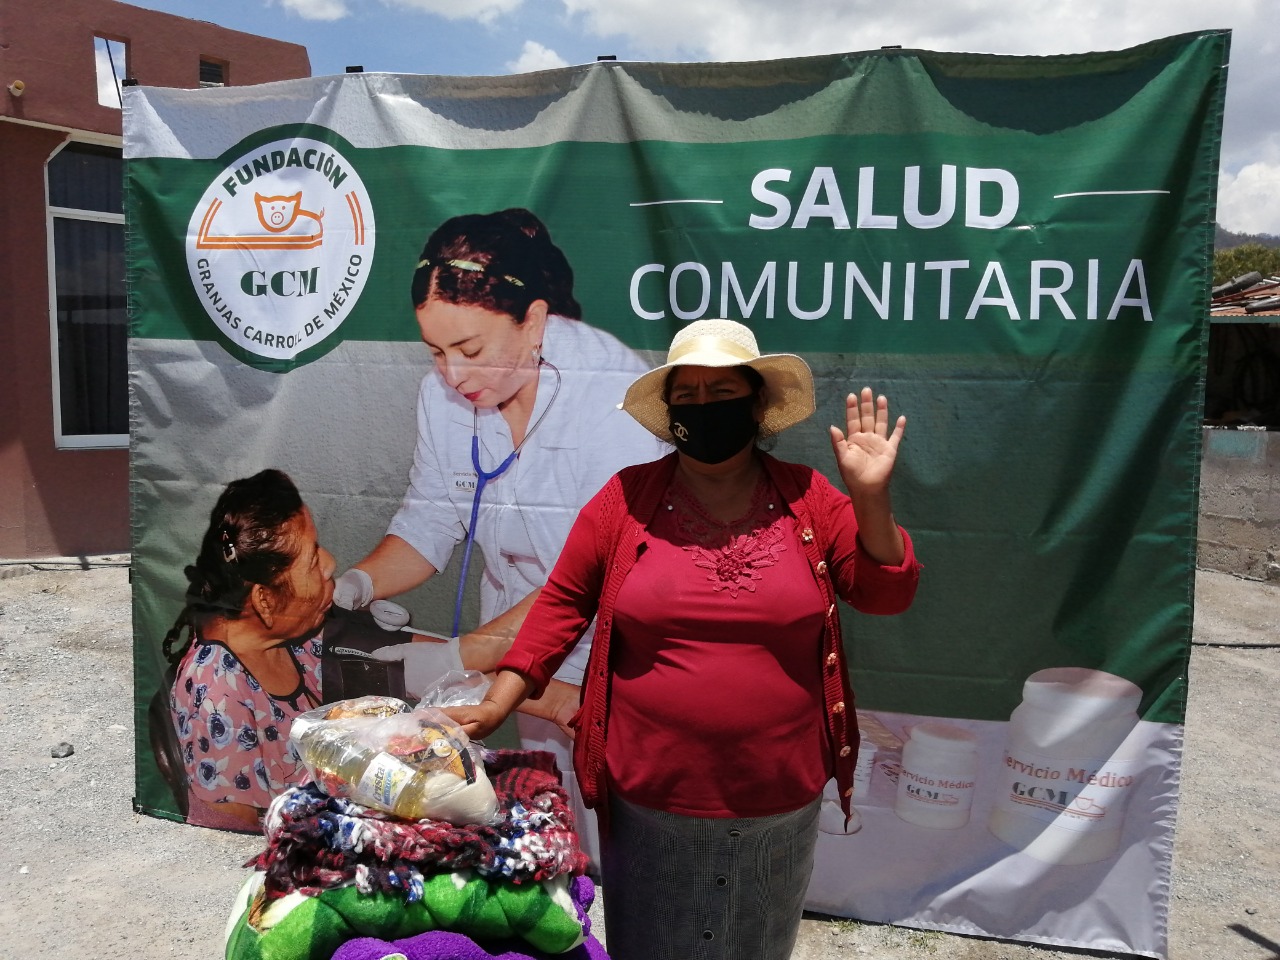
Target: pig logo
x,y
279,215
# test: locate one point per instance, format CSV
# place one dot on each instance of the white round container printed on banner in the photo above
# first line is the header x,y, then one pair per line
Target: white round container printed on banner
x,y
939,772
1069,765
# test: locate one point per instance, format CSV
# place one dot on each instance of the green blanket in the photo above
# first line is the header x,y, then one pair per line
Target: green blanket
x,y
298,927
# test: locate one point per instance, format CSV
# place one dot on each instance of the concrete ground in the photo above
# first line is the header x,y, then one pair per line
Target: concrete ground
x,y
82,876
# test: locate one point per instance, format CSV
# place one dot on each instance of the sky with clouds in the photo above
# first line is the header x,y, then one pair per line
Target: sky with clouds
x,y
485,37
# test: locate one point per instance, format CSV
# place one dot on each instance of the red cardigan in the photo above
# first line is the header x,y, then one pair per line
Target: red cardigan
x,y
603,545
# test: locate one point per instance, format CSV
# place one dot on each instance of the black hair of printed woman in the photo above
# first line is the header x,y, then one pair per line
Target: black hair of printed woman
x,y
247,543
516,259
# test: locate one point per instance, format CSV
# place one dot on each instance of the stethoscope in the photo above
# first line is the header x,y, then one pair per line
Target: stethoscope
x,y
483,477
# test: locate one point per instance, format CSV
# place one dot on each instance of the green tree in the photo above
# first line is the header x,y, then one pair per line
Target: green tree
x,y
1236,262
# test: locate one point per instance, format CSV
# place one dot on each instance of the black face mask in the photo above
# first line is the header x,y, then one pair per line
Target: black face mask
x,y
713,432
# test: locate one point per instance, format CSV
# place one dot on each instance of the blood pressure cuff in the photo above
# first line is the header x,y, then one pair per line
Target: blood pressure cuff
x,y
348,668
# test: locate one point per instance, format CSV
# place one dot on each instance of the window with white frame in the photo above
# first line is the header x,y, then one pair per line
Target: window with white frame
x,y
87,292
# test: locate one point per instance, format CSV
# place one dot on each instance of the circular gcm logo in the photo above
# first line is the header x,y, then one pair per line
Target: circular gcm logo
x,y
280,245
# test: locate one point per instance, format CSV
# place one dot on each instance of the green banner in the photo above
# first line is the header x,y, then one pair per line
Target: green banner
x,y
1015,250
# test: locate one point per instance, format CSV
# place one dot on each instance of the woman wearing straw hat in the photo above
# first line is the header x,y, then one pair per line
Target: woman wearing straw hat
x,y
716,702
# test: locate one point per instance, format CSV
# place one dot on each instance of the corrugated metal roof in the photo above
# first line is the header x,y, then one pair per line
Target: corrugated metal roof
x,y
1246,299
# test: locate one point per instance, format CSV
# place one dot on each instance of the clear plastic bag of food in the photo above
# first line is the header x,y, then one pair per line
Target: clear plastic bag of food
x,y
457,688
416,764
357,707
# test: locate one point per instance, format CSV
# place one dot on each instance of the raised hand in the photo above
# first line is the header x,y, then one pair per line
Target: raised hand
x,y
866,451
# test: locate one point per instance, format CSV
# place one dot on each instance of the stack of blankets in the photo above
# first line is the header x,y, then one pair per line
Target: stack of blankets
x,y
339,881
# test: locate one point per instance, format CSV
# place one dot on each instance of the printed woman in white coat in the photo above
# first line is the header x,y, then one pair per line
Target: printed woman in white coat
x,y
518,427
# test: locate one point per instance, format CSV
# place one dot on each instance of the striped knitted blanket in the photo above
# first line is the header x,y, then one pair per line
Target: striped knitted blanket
x,y
316,842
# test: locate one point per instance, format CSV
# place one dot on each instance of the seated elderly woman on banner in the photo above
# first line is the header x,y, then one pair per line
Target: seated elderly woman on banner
x,y
717,702
250,661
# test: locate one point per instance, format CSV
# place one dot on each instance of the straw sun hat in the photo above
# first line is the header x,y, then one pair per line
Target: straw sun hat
x,y
725,343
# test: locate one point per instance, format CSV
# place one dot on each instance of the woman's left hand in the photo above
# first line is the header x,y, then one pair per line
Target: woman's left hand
x,y
866,451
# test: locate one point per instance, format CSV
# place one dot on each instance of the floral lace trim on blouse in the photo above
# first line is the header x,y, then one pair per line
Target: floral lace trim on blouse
x,y
732,553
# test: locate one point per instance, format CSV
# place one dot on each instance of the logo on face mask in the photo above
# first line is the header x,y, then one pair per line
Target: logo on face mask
x,y
714,432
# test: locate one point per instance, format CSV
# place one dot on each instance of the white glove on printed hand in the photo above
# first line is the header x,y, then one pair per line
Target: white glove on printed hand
x,y
353,590
425,662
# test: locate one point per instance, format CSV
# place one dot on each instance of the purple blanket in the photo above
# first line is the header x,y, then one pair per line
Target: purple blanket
x,y
443,945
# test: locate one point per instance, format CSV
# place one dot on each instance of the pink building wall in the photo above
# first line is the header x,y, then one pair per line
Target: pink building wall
x,y
73,502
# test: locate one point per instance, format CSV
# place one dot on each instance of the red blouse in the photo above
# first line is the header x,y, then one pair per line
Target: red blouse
x,y
716,707
612,534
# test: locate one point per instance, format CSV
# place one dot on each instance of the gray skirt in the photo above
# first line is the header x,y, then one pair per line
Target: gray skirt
x,y
698,888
